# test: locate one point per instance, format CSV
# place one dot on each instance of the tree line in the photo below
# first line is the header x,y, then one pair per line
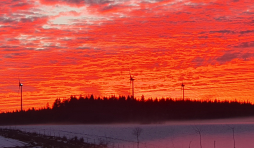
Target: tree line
x,y
122,109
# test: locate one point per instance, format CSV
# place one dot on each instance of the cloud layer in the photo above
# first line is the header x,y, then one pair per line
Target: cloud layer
x,y
59,48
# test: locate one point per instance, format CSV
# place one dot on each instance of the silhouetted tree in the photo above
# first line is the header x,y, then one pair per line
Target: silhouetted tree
x,y
57,103
91,97
142,98
90,109
199,133
233,130
136,132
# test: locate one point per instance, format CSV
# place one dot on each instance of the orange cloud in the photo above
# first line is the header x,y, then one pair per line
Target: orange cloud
x,y
205,44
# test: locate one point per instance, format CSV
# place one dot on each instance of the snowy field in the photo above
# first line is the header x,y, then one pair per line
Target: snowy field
x,y
217,133
6,142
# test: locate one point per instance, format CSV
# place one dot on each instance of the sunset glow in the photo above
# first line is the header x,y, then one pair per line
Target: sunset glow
x,y
59,48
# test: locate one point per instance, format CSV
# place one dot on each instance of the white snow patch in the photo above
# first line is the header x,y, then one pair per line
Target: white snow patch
x,y
6,142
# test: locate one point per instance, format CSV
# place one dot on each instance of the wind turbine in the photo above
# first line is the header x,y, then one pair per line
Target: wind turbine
x,y
20,85
132,82
183,89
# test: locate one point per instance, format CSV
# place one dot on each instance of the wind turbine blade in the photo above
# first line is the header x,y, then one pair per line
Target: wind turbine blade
x,y
130,75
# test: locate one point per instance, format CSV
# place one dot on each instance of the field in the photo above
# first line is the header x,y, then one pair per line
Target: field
x,y
205,133
36,140
7,142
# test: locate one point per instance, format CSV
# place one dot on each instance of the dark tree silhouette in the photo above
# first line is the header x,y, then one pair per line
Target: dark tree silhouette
x,y
136,132
90,109
197,130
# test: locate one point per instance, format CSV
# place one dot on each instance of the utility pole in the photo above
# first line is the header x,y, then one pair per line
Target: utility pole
x,y
20,85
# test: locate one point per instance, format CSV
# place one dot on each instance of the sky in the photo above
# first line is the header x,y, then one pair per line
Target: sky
x,y
59,48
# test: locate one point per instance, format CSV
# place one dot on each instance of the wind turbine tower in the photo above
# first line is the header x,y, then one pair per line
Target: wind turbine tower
x,y
132,82
20,86
183,89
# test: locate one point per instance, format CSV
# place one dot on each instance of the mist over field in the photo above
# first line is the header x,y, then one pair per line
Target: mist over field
x,y
176,134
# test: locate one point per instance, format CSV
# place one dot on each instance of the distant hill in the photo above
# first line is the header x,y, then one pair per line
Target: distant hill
x,y
123,109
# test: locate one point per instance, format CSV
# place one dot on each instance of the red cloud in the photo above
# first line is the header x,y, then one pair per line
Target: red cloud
x,y
76,3
161,42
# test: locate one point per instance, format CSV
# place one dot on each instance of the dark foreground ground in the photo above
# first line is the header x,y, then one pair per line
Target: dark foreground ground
x,y
35,140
